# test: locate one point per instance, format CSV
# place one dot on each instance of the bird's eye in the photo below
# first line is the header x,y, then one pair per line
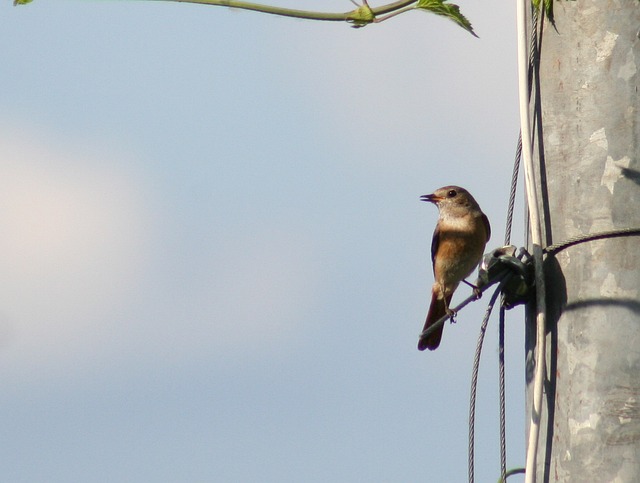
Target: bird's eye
x,y
451,193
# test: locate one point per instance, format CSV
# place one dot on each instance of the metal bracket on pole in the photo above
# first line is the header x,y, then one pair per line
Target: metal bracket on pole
x,y
518,261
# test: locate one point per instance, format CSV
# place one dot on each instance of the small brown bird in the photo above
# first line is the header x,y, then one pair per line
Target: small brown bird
x,y
457,246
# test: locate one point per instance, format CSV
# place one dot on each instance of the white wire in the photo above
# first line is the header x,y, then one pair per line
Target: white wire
x,y
536,239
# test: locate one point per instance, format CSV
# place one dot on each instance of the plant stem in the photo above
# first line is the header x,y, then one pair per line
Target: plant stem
x,y
358,15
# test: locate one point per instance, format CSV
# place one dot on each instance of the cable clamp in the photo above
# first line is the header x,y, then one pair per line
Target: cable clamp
x,y
518,289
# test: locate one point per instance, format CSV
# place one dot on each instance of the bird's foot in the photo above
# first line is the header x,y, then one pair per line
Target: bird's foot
x,y
476,290
452,314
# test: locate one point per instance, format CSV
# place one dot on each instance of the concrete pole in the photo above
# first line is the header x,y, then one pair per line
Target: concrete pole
x,y
587,146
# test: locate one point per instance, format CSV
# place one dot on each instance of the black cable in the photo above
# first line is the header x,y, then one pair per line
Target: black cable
x,y
512,192
474,376
474,296
503,407
556,247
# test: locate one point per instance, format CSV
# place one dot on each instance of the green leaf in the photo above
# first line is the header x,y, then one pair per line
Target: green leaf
x,y
21,2
548,8
449,10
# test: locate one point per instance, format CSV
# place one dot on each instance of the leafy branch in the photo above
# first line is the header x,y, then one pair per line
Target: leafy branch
x,y
361,16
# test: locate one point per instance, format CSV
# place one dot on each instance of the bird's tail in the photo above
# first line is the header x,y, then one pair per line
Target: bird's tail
x,y
437,310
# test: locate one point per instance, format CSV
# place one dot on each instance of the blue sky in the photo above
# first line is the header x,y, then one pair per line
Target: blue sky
x,y
216,261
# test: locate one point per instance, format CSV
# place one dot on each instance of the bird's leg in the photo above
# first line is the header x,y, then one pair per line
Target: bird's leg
x,y
476,291
450,312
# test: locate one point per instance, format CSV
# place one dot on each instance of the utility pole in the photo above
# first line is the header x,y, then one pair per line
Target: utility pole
x,y
586,110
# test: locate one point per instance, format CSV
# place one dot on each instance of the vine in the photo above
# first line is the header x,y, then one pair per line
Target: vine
x,y
361,16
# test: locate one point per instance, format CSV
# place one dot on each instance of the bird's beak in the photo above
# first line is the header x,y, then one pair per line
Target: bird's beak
x,y
430,198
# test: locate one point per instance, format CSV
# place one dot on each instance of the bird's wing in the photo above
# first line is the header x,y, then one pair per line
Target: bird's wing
x,y
487,226
435,243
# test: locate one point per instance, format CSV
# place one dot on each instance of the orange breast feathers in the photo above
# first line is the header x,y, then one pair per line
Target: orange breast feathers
x,y
458,252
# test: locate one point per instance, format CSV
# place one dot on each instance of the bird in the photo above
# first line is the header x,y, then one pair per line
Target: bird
x,y
457,246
